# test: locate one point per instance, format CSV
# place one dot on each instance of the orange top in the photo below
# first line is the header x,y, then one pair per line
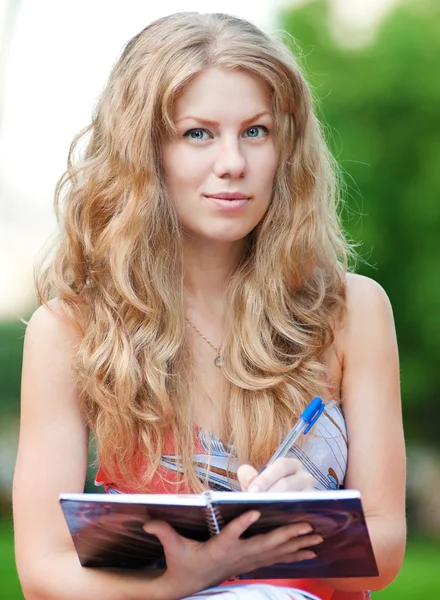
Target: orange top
x,y
221,476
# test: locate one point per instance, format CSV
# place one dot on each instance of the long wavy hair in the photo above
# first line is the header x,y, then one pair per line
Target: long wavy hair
x,y
117,269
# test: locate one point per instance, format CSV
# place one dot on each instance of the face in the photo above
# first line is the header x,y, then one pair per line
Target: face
x,y
220,167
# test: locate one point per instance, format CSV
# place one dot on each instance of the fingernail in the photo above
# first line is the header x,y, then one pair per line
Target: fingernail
x,y
310,555
255,516
304,530
148,529
317,540
254,489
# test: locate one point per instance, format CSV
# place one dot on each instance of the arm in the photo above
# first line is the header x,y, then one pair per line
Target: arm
x,y
371,402
52,458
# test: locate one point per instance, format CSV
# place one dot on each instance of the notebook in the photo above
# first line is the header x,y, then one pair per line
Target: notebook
x,y
107,530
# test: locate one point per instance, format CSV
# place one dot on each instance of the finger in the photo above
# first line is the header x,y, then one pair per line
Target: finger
x,y
296,556
167,536
302,542
266,542
289,552
282,467
289,558
300,481
246,474
233,530
292,550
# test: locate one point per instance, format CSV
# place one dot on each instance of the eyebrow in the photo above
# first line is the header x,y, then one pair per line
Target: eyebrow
x,y
214,123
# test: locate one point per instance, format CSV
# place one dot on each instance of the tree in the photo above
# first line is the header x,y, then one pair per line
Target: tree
x,y
380,105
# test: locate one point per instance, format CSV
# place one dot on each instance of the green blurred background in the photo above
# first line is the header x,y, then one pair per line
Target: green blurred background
x,y
379,99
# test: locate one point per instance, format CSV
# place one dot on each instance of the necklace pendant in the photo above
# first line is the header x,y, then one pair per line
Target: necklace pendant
x,y
218,361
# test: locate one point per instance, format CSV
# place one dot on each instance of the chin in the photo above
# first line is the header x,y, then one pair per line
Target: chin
x,y
228,234
229,237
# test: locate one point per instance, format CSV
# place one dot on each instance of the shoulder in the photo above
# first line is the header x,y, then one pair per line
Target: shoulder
x,y
49,377
368,317
359,287
51,329
53,320
365,297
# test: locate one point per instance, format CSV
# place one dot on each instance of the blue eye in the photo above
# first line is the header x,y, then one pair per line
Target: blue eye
x,y
253,131
195,134
201,135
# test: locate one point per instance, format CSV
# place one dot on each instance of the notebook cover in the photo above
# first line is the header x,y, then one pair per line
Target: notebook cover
x,y
107,530
337,516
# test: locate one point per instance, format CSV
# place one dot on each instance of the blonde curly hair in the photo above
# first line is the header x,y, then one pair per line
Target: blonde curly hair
x,y
119,257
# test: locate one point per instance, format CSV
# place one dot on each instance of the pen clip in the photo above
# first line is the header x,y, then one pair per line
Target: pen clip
x,y
312,413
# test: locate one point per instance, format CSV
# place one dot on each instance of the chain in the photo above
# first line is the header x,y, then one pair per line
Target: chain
x,y
218,361
202,336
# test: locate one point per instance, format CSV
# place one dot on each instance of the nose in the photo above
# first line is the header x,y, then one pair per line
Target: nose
x,y
230,160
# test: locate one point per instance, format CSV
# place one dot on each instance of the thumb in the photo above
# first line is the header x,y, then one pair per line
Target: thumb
x,y
246,474
163,531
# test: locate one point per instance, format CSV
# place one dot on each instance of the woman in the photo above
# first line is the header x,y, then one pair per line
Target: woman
x,y
200,285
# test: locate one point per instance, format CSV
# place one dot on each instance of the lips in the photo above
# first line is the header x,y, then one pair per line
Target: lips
x,y
228,201
228,196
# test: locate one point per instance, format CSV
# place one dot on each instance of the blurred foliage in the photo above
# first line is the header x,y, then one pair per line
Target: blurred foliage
x,y
380,108
11,350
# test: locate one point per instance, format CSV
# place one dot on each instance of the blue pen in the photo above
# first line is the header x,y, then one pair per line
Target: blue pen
x,y
305,422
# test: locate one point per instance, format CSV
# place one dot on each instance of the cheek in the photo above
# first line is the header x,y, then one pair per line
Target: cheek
x,y
182,169
266,169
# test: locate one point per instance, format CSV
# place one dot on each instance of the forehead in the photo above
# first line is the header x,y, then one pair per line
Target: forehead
x,y
221,95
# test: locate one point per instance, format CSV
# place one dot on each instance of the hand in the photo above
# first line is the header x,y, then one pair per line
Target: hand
x,y
284,475
193,566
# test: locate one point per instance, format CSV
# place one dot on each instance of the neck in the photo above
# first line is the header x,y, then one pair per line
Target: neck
x,y
207,268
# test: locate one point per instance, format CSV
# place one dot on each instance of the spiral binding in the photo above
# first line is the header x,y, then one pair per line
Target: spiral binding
x,y
214,518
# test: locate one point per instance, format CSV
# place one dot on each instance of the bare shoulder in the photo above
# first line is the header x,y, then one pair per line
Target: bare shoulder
x,y
50,322
50,346
368,318
367,304
49,379
365,295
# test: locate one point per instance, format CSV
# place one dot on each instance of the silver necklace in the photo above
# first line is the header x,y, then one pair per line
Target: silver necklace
x,y
218,361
